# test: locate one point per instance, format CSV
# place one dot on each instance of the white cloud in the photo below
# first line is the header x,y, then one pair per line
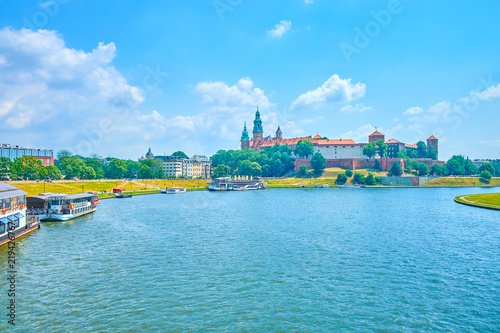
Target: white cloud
x,y
356,108
334,89
488,94
413,111
280,29
361,134
221,97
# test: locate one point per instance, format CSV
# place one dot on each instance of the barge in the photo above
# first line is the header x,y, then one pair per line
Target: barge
x,y
14,220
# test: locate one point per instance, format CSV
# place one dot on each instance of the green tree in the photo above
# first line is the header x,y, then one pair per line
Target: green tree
x,y
247,168
53,172
221,171
370,150
485,176
358,179
63,154
304,149
145,172
370,180
132,168
88,173
438,170
26,167
341,179
318,163
303,170
395,169
423,170
96,163
487,167
381,148
432,153
72,167
4,167
180,154
117,168
348,173
421,149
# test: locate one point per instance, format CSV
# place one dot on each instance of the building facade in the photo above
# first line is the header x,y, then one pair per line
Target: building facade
x,y
174,166
46,156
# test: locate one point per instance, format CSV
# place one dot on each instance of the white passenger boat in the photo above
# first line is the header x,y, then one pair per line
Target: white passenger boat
x,y
228,184
176,190
62,207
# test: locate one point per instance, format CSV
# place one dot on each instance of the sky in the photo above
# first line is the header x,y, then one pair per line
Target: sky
x,y
114,78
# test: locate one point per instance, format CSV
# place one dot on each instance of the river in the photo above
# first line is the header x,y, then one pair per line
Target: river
x,y
338,259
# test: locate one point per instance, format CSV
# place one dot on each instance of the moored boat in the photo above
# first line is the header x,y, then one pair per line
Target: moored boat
x,y
176,190
14,220
62,207
228,184
122,196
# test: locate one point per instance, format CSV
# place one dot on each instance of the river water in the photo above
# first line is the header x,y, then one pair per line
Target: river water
x,y
308,260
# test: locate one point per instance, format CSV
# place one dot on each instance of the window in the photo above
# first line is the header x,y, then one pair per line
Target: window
x,y
2,228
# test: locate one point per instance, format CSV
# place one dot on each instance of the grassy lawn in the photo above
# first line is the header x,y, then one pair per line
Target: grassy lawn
x,y
491,200
459,181
202,183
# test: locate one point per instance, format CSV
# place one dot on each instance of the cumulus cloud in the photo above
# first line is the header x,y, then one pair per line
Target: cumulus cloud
x,y
280,29
413,111
334,89
488,94
356,108
360,134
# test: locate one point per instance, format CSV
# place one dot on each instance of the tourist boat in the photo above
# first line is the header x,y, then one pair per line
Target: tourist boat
x,y
228,184
14,220
176,190
62,207
163,191
122,196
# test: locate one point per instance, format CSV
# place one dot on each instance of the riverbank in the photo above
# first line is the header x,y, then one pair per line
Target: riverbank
x,y
489,201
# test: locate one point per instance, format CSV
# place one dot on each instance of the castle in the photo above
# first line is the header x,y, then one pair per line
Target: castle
x,y
337,152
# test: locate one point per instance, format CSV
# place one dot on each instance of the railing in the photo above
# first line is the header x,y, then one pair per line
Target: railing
x,y
32,220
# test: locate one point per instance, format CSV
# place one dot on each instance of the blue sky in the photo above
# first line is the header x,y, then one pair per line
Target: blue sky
x,y
116,77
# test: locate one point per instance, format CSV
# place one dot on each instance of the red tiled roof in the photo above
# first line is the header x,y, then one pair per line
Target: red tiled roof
x,y
317,136
432,137
393,141
346,142
410,146
270,143
376,133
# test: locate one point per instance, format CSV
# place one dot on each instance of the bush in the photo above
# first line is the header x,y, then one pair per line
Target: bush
x,y
348,173
370,180
358,179
341,179
318,163
395,169
303,170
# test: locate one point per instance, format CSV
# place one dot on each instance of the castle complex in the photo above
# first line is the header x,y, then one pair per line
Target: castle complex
x,y
337,152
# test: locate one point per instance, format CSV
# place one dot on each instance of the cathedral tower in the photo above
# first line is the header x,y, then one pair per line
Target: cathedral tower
x,y
258,132
245,139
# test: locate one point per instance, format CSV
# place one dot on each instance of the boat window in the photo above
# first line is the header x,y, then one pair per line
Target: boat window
x,y
2,228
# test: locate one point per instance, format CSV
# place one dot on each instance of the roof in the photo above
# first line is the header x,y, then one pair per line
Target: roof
x,y
317,136
432,137
345,142
376,133
410,146
9,191
270,143
393,141
47,196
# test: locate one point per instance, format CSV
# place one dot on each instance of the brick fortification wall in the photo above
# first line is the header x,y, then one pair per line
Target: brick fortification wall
x,y
353,164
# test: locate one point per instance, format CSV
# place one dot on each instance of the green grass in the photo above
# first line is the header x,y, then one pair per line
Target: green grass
x,y
460,181
491,200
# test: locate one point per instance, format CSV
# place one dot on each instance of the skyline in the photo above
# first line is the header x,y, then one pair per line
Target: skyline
x,y
116,80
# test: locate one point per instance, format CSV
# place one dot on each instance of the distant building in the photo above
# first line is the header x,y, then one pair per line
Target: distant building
x,y
46,156
174,166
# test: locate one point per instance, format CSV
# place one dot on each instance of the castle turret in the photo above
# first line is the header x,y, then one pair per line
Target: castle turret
x,y
279,134
258,132
245,139
432,141
376,136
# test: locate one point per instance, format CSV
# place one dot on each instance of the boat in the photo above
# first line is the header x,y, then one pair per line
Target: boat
x,y
15,222
163,191
228,184
176,190
322,186
62,207
122,196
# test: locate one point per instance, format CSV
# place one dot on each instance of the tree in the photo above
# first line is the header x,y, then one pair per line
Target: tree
x,y
395,169
370,150
72,166
421,149
487,167
63,154
132,168
304,148
221,171
88,173
470,168
348,173
180,154
341,179
117,168
485,176
247,168
438,170
381,148
432,153
422,170
4,167
145,172
318,163
458,165
26,167
303,170
53,172
370,180
358,179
